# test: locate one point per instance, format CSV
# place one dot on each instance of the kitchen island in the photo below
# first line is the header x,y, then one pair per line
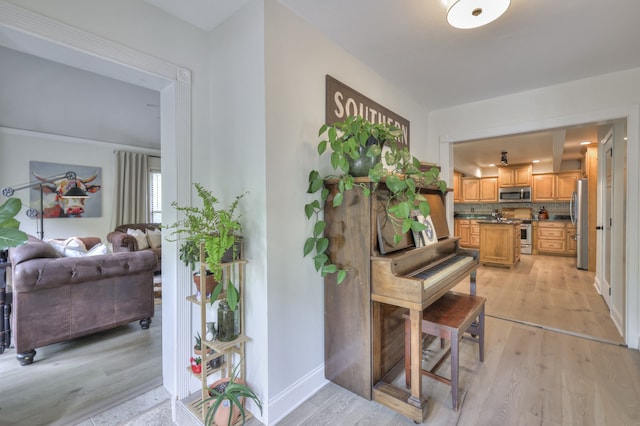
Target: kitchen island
x,y
499,242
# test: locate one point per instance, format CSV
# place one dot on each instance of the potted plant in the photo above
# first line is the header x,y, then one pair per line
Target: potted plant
x,y
196,365
197,348
10,235
227,398
404,177
219,230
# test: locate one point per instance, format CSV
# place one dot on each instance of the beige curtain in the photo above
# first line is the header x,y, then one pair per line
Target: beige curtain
x,y
131,192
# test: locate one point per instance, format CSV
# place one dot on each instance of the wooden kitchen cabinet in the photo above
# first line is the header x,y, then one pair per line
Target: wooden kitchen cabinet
x,y
469,232
555,238
554,186
488,190
499,244
470,190
462,229
514,176
457,187
484,190
566,185
474,234
572,243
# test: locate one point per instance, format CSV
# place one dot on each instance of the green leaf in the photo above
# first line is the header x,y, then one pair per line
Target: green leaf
x,y
406,225
232,296
309,210
342,274
9,209
318,229
309,244
322,244
11,237
337,200
322,147
329,269
397,238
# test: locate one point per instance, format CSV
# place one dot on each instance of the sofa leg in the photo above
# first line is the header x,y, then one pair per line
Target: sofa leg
x,y
26,358
145,323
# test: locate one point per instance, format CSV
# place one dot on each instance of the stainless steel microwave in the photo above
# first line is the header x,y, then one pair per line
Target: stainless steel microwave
x,y
516,194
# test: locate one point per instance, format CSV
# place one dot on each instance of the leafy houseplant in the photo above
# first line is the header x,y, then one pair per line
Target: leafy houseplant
x,y
226,398
218,228
10,235
403,178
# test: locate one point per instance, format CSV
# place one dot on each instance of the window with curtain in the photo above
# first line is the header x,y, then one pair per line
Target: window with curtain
x,y
155,193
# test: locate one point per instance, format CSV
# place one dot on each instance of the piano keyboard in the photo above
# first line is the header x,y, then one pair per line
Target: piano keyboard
x,y
443,269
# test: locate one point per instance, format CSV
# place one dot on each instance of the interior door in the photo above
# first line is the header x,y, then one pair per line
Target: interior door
x,y
607,220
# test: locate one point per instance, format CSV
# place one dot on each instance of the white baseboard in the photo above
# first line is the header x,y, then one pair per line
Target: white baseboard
x,y
290,398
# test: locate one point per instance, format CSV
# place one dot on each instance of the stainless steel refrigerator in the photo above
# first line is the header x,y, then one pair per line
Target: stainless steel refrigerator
x,y
579,217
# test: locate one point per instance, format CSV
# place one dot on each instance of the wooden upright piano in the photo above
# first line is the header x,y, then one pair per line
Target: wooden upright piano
x,y
364,328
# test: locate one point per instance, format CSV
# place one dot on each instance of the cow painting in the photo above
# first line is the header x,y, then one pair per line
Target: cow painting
x,y
55,204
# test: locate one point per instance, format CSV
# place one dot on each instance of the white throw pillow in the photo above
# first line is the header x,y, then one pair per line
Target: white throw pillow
x,y
140,237
154,236
71,247
98,249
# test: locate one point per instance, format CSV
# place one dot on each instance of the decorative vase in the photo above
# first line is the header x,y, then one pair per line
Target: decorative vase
x,y
227,328
360,166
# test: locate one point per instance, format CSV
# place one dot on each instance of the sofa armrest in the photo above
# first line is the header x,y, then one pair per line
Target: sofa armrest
x,y
122,242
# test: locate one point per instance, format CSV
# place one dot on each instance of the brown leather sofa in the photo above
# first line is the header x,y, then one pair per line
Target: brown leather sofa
x,y
122,242
58,298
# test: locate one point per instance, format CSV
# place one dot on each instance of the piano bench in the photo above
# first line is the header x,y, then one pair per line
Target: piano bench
x,y
448,318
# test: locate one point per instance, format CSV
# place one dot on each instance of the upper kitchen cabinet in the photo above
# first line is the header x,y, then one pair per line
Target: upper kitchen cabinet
x,y
590,161
483,190
457,187
554,186
514,176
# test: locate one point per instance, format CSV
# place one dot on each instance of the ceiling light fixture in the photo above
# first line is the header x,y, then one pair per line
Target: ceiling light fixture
x,y
465,14
503,158
585,143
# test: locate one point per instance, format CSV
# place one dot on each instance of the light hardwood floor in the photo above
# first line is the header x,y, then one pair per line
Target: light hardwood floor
x,y
71,381
532,374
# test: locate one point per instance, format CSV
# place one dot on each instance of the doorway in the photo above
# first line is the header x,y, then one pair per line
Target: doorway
x,y
40,36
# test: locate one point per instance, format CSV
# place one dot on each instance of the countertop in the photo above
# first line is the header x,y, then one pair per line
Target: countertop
x,y
500,222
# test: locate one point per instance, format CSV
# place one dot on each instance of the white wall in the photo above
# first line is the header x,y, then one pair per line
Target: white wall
x,y
236,158
297,60
601,98
18,147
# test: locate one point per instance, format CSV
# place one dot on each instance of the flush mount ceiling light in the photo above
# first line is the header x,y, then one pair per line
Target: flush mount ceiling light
x,y
465,14
503,158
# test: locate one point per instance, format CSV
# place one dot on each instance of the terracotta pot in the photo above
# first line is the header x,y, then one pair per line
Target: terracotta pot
x,y
222,415
210,283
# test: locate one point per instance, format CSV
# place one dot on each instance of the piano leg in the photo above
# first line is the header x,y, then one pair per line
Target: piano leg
x,y
472,282
416,355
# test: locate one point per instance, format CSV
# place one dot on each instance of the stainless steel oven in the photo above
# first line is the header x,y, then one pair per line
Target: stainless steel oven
x,y
526,237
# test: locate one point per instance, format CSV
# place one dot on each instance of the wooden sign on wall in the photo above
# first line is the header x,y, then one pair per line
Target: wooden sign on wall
x,y
342,102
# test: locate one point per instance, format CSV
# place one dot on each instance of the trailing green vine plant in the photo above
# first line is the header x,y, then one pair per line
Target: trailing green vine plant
x,y
404,179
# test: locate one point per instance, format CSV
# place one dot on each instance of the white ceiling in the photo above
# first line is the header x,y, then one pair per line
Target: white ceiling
x,y
534,44
408,42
